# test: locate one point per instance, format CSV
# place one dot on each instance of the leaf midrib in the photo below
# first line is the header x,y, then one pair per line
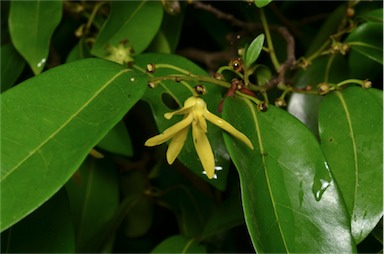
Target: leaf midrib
x,y
351,132
256,122
73,116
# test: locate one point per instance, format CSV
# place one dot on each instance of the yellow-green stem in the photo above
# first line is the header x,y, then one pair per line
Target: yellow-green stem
x,y
271,50
92,17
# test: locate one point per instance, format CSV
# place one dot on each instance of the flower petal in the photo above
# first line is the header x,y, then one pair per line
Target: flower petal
x,y
181,111
176,145
227,127
188,105
170,132
199,119
204,150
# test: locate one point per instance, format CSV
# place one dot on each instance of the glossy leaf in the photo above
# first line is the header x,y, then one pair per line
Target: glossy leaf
x,y
135,21
179,244
47,230
117,141
12,64
367,39
374,16
170,95
31,25
305,107
94,197
253,51
51,122
262,3
351,131
290,200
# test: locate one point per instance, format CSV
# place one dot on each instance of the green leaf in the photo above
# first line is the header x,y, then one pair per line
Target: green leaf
x,y
93,184
263,74
117,141
350,126
51,122
135,21
228,215
12,64
179,244
262,3
253,51
170,95
139,219
160,44
47,230
290,200
305,107
375,16
31,25
367,39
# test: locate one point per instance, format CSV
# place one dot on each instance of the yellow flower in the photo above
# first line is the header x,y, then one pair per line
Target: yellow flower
x,y
195,113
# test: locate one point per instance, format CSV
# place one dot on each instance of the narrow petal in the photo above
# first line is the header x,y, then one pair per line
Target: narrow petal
x,y
181,111
170,132
204,150
227,127
188,105
176,145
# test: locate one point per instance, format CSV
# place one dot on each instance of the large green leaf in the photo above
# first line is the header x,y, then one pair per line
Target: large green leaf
x,y
47,230
161,98
135,21
94,197
31,25
351,131
367,39
290,201
375,16
179,244
50,123
12,64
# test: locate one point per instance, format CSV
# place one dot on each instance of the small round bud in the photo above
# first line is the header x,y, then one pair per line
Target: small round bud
x,y
262,106
280,102
367,84
80,31
151,68
152,84
200,89
236,65
350,12
218,76
240,51
324,88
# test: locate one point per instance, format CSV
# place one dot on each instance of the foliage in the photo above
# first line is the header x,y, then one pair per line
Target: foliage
x,y
285,152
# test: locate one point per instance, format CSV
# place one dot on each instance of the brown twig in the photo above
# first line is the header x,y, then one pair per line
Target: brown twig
x,y
251,27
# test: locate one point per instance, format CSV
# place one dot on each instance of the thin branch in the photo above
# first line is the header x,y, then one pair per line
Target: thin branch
x,y
251,27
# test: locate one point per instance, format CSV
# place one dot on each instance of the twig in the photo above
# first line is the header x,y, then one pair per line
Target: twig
x,y
251,27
